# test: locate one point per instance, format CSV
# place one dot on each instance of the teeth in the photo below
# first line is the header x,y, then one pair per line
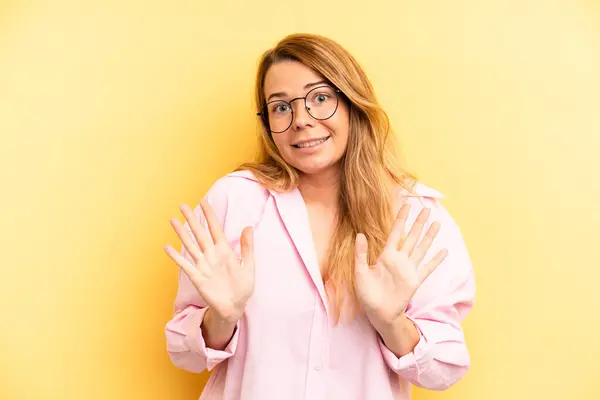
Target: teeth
x,y
311,144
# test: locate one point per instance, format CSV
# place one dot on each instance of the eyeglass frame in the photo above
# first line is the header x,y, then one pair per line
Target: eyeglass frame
x,y
265,118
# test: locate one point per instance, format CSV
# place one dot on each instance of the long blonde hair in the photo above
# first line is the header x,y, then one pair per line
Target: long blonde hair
x,y
370,167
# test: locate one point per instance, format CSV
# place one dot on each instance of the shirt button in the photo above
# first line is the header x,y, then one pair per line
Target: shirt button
x,y
318,367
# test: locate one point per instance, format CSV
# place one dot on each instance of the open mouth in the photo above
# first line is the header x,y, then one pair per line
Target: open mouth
x,y
312,143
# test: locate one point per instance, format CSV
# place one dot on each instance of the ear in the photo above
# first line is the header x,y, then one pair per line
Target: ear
x,y
264,121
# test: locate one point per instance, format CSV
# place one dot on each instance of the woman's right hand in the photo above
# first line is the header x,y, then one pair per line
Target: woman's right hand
x,y
223,280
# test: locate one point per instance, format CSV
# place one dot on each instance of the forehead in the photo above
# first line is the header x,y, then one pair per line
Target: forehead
x,y
289,77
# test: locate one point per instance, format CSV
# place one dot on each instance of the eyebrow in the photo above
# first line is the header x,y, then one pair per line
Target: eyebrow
x,y
307,86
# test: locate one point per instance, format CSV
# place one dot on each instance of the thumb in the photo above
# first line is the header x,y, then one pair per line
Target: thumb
x,y
361,248
247,246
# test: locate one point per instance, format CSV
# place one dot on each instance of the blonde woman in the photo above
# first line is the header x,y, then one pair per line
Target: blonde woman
x,y
321,271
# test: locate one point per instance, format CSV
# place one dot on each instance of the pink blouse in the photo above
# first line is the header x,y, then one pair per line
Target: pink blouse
x,y
286,345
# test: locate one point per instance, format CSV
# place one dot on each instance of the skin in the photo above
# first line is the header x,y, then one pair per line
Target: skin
x,y
287,80
384,289
319,181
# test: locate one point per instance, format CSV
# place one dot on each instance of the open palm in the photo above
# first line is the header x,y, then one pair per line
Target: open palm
x,y
386,288
223,280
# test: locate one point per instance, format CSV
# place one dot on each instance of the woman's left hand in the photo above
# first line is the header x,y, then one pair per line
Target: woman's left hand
x,y
385,288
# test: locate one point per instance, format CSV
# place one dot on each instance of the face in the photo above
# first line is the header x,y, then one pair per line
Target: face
x,y
311,144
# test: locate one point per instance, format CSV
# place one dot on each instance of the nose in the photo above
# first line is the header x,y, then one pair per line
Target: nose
x,y
302,118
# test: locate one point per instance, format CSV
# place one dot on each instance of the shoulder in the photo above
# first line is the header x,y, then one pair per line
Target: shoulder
x,y
423,196
420,190
418,197
238,200
450,236
237,184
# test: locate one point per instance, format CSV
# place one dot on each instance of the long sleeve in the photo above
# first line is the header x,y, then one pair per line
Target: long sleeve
x,y
441,357
185,343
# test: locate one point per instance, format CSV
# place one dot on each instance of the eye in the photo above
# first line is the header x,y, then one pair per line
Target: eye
x,y
280,108
320,97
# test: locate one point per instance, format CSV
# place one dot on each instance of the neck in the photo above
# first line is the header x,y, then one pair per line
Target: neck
x,y
321,189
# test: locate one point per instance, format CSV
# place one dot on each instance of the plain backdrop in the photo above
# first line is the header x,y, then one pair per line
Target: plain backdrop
x,y
112,113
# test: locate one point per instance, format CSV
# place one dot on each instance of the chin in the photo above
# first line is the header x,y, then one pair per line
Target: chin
x,y
313,168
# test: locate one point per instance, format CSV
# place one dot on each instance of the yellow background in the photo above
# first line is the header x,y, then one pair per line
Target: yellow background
x,y
114,112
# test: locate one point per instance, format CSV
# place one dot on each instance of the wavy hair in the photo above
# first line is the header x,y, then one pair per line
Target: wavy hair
x,y
370,165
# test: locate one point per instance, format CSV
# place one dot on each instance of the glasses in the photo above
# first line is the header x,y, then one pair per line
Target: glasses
x,y
321,103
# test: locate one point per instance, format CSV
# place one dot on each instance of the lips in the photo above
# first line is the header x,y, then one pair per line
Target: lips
x,y
310,143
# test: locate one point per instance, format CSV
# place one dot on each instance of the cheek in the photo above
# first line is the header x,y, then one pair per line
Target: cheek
x,y
340,127
341,120
280,143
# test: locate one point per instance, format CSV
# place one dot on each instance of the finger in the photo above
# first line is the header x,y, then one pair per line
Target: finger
x,y
202,238
247,246
181,261
430,266
216,232
397,232
186,239
361,252
415,231
423,247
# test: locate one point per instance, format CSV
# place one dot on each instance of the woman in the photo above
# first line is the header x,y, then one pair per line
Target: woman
x,y
322,271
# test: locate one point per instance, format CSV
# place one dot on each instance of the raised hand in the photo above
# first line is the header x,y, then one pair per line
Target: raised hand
x,y
223,280
386,288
